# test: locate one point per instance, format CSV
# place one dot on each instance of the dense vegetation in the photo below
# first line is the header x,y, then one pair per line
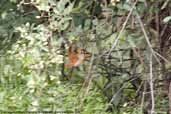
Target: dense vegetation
x,y
129,71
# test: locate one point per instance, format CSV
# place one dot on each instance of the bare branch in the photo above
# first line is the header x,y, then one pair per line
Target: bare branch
x,y
146,37
151,85
123,27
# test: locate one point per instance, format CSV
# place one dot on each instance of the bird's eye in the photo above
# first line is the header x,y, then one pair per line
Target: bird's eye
x,y
75,50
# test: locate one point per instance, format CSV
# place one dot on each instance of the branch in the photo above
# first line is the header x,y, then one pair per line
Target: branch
x,y
151,85
123,27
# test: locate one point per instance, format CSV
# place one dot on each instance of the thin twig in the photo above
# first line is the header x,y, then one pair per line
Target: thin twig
x,y
143,96
151,85
169,62
142,100
146,37
87,82
89,76
169,95
117,93
165,4
123,27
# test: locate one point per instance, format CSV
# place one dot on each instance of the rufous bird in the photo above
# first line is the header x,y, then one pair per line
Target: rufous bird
x,y
76,56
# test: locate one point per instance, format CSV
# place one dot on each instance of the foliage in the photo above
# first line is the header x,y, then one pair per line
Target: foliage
x,y
129,47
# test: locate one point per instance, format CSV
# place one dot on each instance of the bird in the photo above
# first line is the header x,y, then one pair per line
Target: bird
x,y
76,56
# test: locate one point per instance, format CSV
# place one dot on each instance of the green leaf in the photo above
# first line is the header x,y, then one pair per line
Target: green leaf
x,y
167,19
